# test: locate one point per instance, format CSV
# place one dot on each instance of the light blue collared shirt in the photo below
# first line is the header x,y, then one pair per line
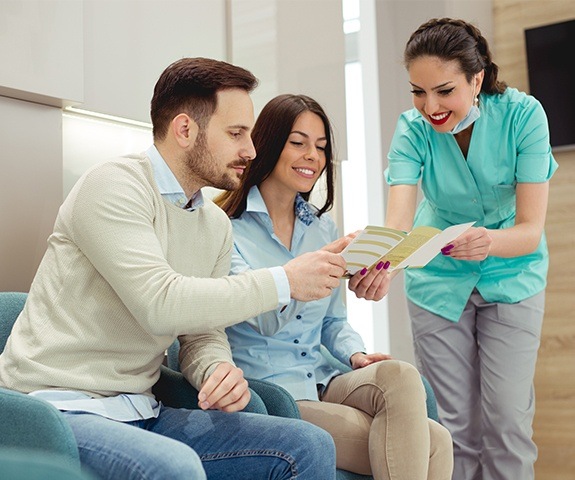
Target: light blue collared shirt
x,y
168,184
283,347
130,407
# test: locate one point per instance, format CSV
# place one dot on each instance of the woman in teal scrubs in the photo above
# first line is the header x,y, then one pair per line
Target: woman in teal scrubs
x,y
481,152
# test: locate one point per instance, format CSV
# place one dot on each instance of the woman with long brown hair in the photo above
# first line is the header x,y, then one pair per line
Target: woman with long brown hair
x,y
376,413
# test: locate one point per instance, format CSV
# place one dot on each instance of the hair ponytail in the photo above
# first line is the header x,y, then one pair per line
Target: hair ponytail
x,y
453,39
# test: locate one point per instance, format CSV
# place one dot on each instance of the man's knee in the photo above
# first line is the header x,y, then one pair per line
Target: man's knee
x,y
178,462
315,455
314,438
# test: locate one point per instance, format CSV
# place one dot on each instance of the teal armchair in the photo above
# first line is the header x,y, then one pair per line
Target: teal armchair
x,y
277,401
36,442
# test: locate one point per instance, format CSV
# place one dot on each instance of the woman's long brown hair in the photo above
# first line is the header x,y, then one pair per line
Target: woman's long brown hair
x,y
270,134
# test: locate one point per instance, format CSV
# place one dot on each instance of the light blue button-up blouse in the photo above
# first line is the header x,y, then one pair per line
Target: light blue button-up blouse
x,y
509,145
284,346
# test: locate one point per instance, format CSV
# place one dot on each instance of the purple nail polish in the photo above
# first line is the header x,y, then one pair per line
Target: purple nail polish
x,y
387,264
445,250
363,271
379,266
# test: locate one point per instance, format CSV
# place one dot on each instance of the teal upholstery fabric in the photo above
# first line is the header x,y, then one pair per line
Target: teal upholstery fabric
x,y
17,464
11,304
277,400
34,424
28,422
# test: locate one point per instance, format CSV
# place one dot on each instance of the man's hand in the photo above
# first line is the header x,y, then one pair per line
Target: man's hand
x,y
338,245
371,285
226,389
360,359
314,275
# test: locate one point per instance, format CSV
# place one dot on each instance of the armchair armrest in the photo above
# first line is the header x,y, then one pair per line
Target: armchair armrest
x,y
173,390
277,400
31,423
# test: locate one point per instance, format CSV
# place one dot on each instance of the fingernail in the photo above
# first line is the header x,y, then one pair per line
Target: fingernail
x,y
387,264
363,271
446,249
379,266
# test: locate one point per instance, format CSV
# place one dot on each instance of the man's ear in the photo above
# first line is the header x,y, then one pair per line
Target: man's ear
x,y
185,130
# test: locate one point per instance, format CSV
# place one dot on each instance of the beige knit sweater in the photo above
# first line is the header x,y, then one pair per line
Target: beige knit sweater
x,y
124,274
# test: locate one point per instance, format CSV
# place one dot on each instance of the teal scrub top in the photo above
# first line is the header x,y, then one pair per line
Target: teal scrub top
x,y
509,145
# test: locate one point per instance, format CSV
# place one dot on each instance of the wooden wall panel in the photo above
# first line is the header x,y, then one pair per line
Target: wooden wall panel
x,y
554,427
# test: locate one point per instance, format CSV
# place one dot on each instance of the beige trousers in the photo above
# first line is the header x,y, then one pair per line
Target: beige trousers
x,y
378,420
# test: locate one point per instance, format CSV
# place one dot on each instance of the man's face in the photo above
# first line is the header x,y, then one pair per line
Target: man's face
x,y
223,149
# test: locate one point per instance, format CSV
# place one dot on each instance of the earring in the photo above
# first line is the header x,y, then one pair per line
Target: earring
x,y
476,101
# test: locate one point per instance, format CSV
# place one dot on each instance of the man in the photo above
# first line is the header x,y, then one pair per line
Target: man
x,y
137,258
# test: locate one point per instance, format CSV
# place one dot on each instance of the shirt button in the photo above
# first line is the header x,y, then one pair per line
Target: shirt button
x,y
474,200
303,354
298,317
309,375
296,341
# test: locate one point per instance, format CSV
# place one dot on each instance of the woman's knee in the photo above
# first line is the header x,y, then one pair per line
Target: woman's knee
x,y
399,376
441,449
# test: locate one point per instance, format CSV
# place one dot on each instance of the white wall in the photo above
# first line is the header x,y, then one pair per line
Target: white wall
x,y
41,51
128,43
279,41
30,187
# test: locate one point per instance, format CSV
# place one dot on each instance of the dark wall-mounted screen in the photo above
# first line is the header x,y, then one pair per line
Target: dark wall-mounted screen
x,y
551,69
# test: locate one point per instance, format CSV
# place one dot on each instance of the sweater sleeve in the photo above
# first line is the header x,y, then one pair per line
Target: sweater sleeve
x,y
111,220
200,354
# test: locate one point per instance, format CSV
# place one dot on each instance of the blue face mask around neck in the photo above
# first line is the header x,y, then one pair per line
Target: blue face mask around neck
x,y
471,116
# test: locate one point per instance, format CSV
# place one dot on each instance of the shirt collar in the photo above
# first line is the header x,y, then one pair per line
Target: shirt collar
x,y
168,184
303,210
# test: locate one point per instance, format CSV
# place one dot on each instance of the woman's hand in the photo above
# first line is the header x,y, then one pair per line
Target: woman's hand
x,y
371,285
474,244
360,359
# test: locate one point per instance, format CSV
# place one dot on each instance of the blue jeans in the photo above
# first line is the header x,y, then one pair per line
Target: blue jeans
x,y
197,444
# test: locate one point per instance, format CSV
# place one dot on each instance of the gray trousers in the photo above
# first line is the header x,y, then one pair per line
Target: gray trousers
x,y
482,370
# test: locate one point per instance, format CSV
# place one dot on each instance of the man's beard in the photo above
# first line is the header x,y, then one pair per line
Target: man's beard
x,y
202,165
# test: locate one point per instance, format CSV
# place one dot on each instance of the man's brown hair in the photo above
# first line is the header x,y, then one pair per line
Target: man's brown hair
x,y
190,86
